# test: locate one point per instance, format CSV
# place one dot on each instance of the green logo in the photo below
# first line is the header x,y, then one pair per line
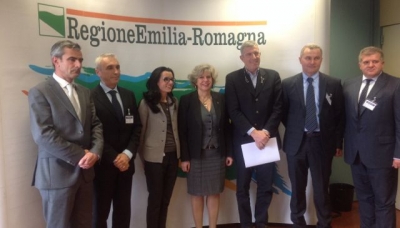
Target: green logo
x,y
51,20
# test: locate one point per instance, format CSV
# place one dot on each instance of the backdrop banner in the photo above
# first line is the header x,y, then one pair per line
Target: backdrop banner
x,y
144,35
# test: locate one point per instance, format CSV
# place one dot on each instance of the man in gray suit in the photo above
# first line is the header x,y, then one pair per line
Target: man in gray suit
x,y
372,138
313,114
69,138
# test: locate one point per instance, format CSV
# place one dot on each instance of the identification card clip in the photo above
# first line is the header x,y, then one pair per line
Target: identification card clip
x,y
129,118
370,104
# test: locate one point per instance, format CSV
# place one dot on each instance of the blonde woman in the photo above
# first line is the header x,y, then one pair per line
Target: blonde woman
x,y
204,131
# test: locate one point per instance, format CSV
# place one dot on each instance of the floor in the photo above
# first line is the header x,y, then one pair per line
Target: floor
x,y
345,220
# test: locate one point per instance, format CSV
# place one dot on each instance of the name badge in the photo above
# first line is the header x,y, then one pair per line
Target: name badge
x,y
129,119
370,104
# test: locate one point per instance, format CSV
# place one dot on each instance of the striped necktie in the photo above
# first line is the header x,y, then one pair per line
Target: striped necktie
x,y
311,115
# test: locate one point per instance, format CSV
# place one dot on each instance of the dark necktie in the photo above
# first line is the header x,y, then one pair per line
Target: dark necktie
x,y
363,96
311,116
116,104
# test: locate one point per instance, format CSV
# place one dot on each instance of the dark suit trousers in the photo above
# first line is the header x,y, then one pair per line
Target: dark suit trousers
x,y
310,156
376,193
68,207
264,177
160,179
114,186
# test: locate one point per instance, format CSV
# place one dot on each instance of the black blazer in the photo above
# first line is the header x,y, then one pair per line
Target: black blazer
x,y
375,135
331,113
117,136
190,126
248,107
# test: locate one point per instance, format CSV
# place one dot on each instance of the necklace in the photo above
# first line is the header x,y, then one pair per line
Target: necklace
x,y
204,101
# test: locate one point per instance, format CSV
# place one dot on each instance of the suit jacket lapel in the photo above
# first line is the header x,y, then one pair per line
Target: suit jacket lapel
x,y
248,83
379,84
355,93
322,90
194,99
217,105
125,102
171,109
105,101
299,87
261,78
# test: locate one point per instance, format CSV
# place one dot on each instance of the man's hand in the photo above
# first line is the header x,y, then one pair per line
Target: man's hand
x,y
229,161
260,138
122,162
88,160
339,152
396,163
185,166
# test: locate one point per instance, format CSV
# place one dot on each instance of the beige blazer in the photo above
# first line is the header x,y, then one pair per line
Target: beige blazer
x,y
154,132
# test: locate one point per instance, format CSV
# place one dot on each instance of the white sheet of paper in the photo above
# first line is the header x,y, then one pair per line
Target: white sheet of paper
x,y
254,156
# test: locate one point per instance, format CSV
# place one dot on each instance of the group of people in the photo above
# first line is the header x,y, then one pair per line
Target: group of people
x,y
88,140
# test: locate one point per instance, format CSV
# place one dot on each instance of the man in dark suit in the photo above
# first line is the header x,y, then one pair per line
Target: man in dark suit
x,y
253,98
117,110
69,138
313,114
372,138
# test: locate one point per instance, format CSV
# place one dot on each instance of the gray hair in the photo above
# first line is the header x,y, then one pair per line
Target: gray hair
x,y
370,51
57,50
311,47
199,70
98,60
246,44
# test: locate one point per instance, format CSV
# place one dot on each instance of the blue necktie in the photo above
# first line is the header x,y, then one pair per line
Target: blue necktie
x,y
311,116
116,105
363,96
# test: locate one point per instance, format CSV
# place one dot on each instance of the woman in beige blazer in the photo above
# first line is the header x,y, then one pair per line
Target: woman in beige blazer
x,y
159,143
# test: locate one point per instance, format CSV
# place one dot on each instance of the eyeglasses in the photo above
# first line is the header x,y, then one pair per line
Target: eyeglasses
x,y
167,79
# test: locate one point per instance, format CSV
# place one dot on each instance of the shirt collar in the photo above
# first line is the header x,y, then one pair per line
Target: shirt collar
x,y
373,79
106,89
63,83
314,76
249,73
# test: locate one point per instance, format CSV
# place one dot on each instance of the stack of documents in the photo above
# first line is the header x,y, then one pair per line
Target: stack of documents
x,y
254,156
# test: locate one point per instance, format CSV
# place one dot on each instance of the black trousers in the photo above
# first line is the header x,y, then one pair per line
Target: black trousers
x,y
160,178
376,190
264,177
310,157
112,186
